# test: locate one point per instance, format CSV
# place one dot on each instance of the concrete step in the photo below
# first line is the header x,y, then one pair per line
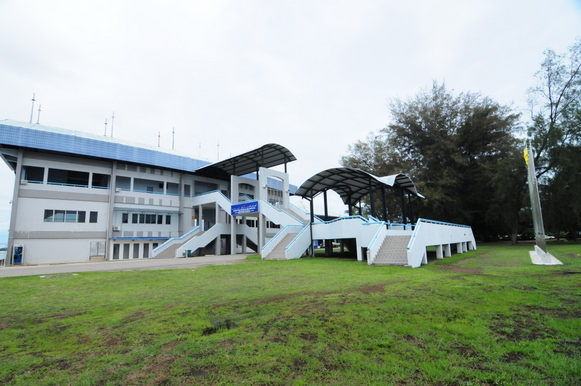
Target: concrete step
x,y
393,251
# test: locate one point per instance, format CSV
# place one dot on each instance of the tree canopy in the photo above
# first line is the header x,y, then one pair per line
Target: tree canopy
x,y
464,152
449,144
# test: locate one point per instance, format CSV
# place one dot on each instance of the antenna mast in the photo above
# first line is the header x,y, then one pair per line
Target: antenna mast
x,y
32,110
112,118
38,117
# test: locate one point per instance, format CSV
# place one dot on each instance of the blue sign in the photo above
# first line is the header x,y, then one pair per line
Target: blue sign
x,y
244,208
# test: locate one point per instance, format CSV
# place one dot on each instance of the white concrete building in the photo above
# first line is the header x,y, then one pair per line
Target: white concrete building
x,y
81,197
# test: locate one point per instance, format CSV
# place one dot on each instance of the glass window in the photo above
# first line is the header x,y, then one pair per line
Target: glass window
x,y
48,215
168,219
135,218
187,190
81,216
173,189
125,218
59,216
160,219
70,216
93,216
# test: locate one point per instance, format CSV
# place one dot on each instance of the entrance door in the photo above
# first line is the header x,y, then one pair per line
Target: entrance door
x,y
17,254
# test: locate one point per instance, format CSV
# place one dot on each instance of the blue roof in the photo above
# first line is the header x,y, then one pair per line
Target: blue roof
x,y
35,136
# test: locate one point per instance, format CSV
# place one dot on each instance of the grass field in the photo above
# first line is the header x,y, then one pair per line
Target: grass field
x,y
487,317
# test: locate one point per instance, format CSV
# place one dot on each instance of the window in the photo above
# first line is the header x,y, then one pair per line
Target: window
x,y
48,215
100,181
75,216
146,218
187,190
93,217
68,178
33,174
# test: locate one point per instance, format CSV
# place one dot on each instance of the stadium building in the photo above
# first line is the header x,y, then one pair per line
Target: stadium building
x,y
80,197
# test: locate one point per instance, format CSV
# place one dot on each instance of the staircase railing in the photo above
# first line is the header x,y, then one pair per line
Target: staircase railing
x,y
175,241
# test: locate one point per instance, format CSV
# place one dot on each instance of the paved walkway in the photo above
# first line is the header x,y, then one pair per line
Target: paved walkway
x,y
119,265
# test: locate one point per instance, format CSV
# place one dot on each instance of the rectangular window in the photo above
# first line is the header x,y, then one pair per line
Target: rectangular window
x,y
48,215
93,216
160,219
70,216
59,216
187,190
135,218
68,178
124,218
76,216
142,218
168,219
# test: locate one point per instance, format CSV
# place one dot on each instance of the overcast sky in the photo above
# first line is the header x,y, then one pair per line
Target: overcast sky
x,y
313,76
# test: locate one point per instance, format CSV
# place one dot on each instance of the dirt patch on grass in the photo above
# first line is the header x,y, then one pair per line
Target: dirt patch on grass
x,y
461,269
465,351
512,357
572,255
372,288
521,326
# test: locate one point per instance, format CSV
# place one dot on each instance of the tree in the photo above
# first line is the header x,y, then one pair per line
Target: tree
x,y
450,146
556,106
555,133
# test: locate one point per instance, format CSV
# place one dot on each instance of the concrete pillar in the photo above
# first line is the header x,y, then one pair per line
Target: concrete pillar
x,y
232,235
439,252
459,248
425,257
447,250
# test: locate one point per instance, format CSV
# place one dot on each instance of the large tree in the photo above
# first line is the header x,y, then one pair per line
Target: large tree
x,y
450,145
555,133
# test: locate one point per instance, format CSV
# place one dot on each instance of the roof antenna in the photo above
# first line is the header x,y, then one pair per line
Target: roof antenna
x,y
32,110
38,117
112,118
105,127
158,138
173,137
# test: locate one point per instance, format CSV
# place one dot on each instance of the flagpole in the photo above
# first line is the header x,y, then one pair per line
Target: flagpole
x,y
535,199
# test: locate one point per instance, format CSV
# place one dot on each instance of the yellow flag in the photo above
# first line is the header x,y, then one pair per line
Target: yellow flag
x,y
527,155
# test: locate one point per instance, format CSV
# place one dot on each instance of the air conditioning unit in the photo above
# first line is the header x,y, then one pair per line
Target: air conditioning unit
x,y
116,229
23,182
117,190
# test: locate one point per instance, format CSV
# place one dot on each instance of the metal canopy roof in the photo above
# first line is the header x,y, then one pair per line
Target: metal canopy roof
x,y
266,156
353,184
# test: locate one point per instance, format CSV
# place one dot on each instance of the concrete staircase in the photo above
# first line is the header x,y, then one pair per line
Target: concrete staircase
x,y
278,251
393,251
170,252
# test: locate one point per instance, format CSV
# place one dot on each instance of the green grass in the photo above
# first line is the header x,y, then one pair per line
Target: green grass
x,y
486,317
